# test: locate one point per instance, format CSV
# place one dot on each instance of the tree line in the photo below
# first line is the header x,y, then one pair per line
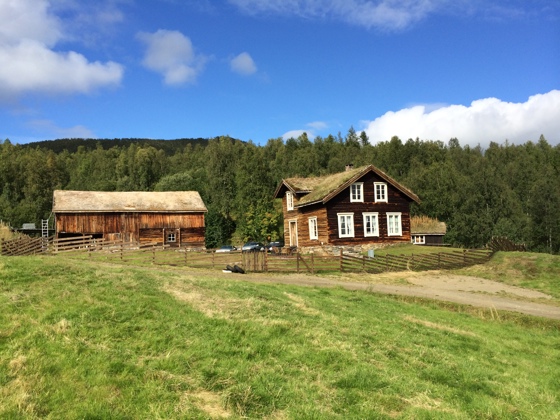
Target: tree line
x,y
504,190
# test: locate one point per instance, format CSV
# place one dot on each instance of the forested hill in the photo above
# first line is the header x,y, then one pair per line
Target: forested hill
x,y
170,147
503,190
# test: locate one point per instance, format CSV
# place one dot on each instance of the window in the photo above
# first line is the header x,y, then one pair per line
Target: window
x,y
345,225
171,237
313,233
290,200
380,192
394,225
418,239
371,224
357,192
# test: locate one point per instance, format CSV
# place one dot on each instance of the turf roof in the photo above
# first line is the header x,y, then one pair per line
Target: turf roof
x,y
322,189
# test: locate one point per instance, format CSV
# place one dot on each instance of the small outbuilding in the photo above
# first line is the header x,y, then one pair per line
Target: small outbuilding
x,y
427,231
173,218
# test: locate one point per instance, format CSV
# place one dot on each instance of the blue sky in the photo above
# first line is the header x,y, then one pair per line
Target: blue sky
x,y
478,70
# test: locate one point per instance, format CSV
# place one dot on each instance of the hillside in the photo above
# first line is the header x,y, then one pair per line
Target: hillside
x,y
83,340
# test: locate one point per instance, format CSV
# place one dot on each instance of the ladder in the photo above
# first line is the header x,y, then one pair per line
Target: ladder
x,y
45,228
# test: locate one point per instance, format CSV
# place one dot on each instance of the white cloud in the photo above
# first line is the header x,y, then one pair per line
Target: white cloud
x,y
296,133
485,120
387,14
28,33
172,54
382,14
47,128
243,64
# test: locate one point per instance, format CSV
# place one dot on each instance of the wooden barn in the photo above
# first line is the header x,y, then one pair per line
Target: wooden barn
x,y
173,218
361,206
427,231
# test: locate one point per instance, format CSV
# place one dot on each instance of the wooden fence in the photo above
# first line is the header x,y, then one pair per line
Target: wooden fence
x,y
152,254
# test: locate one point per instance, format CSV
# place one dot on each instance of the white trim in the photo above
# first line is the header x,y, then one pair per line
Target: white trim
x,y
396,224
289,200
418,239
346,222
383,192
359,192
313,228
375,224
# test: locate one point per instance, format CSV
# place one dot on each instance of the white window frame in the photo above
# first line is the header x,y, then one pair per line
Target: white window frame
x,y
398,223
418,239
313,229
290,200
346,221
357,192
383,187
170,237
375,224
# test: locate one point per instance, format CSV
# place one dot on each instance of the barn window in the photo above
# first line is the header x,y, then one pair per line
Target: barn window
x,y
418,239
357,192
345,225
171,237
394,225
380,192
290,200
313,233
371,224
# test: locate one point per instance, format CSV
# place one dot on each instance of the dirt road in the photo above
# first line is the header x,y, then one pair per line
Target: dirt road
x,y
466,290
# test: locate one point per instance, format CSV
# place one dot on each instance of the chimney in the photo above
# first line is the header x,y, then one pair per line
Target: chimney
x,y
349,167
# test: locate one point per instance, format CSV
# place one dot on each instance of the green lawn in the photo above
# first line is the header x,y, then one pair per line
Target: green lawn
x,y
81,339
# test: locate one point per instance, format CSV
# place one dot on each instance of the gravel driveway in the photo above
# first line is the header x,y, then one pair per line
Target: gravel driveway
x,y
466,290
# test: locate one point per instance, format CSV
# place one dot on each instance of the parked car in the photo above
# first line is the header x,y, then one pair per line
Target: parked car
x,y
226,248
274,246
253,246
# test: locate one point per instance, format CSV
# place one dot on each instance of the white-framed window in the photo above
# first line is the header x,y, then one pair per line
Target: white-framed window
x,y
313,232
394,224
170,236
290,200
345,225
371,224
357,192
380,192
418,239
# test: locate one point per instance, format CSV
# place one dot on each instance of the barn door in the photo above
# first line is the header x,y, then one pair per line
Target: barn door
x,y
292,224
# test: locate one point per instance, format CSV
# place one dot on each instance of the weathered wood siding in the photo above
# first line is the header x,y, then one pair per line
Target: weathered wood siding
x,y
397,202
433,239
137,227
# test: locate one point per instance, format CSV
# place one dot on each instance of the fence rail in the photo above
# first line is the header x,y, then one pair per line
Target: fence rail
x,y
151,253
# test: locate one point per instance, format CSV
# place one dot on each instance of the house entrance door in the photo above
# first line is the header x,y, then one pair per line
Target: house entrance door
x,y
293,233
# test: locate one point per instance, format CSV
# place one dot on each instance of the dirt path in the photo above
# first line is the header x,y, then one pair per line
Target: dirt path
x,y
466,290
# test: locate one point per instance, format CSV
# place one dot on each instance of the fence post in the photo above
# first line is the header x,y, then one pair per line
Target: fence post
x,y
186,251
312,263
153,254
386,262
341,261
412,261
363,263
122,248
439,260
266,261
213,258
297,261
464,257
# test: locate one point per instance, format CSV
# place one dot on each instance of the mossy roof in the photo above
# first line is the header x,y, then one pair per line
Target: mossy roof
x,y
137,201
322,189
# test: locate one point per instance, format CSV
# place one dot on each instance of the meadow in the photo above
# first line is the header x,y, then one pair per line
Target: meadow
x,y
92,340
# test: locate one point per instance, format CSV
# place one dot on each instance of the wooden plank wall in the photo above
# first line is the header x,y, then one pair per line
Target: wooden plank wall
x,y
143,227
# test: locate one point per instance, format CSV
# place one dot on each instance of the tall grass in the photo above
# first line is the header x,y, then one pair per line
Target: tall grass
x,y
87,340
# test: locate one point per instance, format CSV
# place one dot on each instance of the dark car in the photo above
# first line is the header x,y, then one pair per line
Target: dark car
x,y
274,246
253,246
226,248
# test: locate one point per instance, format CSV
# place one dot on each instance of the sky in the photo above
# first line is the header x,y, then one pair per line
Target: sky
x,y
475,70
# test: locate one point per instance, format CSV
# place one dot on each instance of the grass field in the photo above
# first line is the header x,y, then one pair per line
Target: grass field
x,y
81,339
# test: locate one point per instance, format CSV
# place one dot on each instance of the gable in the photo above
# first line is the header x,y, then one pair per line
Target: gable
x,y
322,189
